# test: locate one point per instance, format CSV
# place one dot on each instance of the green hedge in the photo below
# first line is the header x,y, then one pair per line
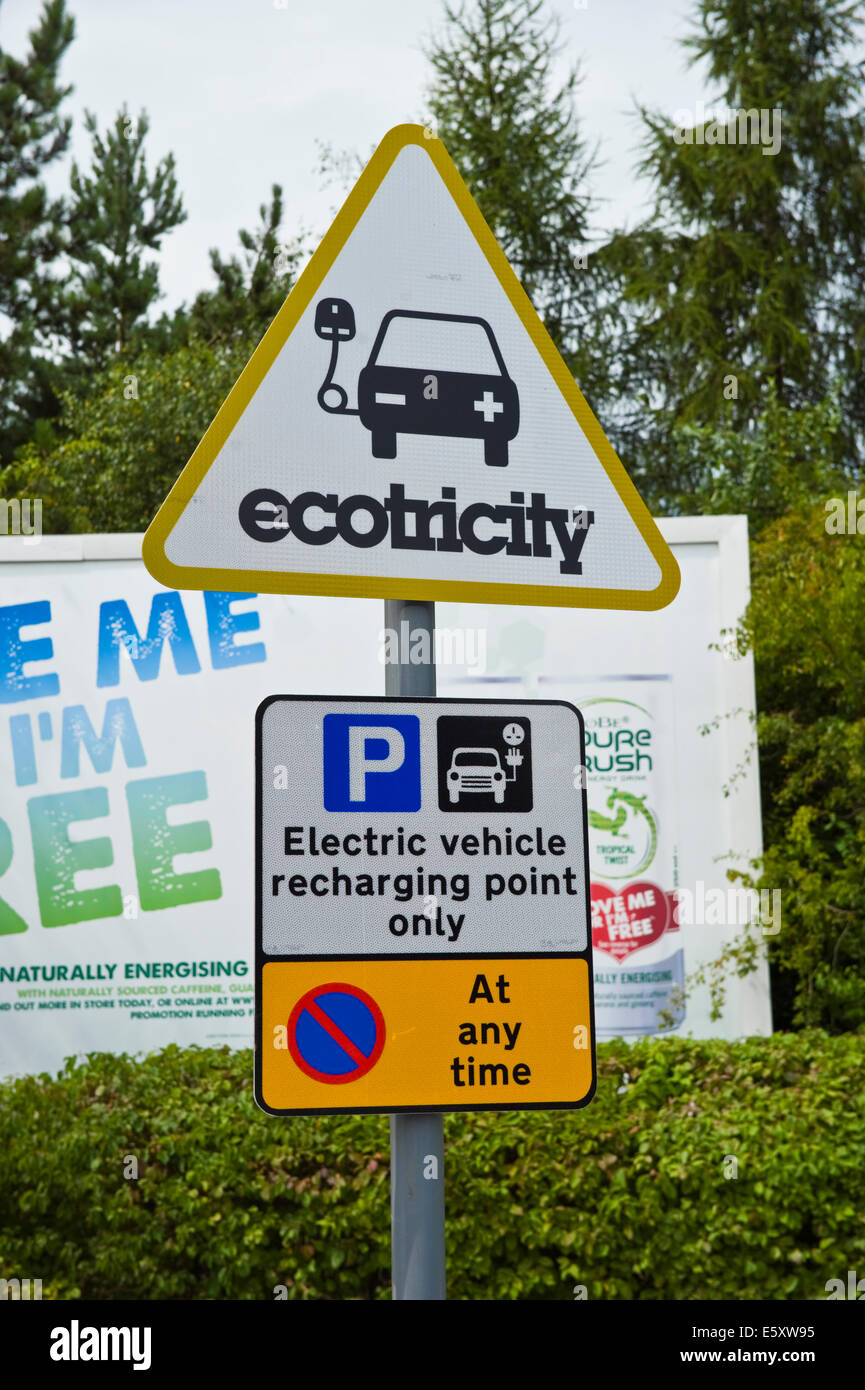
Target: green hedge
x,y
628,1197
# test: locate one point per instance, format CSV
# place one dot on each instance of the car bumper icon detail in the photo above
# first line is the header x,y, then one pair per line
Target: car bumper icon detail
x,y
475,770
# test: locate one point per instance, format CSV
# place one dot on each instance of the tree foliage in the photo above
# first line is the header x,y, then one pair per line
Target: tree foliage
x,y
123,441
810,679
805,628
125,433
118,213
748,273
509,123
250,288
778,463
33,134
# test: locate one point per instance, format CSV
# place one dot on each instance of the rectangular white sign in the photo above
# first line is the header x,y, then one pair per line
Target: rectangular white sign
x,y
421,827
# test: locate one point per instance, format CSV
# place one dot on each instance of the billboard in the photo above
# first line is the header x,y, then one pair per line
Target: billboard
x,y
127,781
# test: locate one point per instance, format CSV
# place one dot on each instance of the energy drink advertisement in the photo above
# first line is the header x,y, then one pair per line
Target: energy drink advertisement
x,y
633,855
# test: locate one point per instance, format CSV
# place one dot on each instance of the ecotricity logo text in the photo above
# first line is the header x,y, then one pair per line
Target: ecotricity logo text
x,y
76,1343
519,527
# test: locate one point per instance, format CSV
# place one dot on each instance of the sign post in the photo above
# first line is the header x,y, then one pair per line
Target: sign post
x,y
407,430
422,920
417,1146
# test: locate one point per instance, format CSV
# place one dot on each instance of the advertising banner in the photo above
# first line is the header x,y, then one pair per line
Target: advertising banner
x,y
633,851
127,755
126,816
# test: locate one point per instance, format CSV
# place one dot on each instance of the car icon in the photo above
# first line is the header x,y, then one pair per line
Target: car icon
x,y
475,770
438,374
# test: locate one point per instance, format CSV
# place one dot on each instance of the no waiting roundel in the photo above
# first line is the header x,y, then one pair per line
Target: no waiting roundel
x,y
336,1033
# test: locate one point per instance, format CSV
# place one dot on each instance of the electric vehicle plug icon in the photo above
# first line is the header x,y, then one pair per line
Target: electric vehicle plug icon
x,y
334,321
514,759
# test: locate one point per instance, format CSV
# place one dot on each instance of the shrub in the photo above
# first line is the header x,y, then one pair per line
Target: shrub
x,y
628,1197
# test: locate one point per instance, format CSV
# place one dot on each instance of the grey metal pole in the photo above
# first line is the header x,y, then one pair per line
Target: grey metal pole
x,y
417,1179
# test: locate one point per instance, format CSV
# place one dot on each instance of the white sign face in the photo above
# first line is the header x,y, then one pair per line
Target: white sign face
x,y
420,827
408,428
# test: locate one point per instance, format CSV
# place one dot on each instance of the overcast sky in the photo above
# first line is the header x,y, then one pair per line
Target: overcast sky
x,y
241,91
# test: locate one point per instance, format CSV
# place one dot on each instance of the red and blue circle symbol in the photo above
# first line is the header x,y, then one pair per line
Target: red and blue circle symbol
x,y
336,1033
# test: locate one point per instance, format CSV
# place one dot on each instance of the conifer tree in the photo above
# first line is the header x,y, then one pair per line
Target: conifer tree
x,y
33,134
118,213
749,272
512,130
250,288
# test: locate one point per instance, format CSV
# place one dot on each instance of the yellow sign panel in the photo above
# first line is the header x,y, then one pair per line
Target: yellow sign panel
x,y
407,428
507,1033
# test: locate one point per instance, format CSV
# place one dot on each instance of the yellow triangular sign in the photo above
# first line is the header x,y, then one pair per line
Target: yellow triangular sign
x,y
406,428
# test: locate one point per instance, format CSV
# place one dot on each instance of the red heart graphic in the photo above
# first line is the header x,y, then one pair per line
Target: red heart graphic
x,y
629,919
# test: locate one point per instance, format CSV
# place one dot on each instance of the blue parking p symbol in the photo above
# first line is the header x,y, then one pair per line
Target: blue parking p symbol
x,y
371,762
